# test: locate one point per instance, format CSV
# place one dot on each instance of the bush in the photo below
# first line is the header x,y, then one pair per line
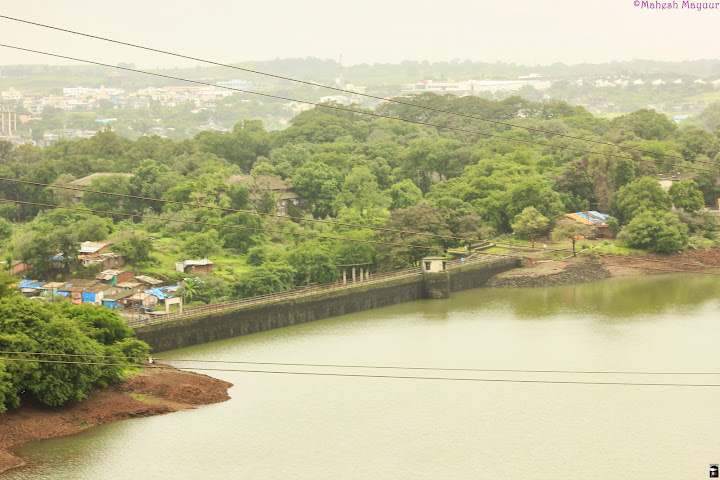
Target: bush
x,y
655,231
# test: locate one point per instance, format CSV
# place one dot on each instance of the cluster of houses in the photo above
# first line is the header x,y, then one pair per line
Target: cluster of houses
x,y
113,287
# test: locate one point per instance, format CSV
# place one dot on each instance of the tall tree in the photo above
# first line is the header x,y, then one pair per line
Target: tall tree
x,y
530,222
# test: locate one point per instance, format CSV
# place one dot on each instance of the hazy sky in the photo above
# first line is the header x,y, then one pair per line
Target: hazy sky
x,y
522,31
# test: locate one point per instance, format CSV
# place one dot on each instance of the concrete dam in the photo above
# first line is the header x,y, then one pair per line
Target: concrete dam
x,y
431,284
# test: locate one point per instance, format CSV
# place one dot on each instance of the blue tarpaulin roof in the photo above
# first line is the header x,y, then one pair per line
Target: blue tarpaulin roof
x,y
593,216
64,294
30,284
88,297
158,293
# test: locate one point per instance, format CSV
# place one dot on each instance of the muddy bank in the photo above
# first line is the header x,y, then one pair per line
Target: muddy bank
x,y
583,269
566,274
149,392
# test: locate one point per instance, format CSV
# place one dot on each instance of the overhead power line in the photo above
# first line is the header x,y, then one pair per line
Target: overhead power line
x,y
360,375
226,209
350,110
343,90
369,367
220,225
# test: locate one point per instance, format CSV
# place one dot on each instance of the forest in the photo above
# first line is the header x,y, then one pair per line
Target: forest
x,y
357,172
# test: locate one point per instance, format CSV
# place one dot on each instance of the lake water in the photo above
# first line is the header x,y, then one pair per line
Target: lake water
x,y
280,426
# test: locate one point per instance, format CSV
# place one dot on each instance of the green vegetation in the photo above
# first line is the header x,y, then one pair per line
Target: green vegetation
x,y
352,169
31,326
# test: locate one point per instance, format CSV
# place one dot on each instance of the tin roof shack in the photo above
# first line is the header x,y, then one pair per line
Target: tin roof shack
x,y
16,268
30,288
94,248
85,291
195,266
107,261
593,219
114,277
118,299
51,289
142,299
132,286
166,296
149,281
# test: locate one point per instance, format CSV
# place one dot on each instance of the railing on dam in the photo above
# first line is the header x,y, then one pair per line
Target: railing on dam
x,y
297,292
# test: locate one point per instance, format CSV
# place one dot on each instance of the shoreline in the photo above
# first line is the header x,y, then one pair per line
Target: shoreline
x,y
583,269
145,393
155,391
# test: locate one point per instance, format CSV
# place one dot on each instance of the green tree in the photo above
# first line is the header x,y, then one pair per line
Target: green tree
x,y
241,239
29,326
624,172
567,229
257,256
656,231
641,194
99,323
94,229
119,184
534,193
530,222
312,263
135,249
360,191
421,218
265,279
318,185
685,194
202,245
6,229
404,194
7,283
190,288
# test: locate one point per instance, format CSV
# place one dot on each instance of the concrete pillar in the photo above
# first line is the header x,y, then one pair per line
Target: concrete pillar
x,y
344,276
361,274
353,274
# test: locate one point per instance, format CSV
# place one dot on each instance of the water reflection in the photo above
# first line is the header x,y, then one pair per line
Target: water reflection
x,y
310,428
624,297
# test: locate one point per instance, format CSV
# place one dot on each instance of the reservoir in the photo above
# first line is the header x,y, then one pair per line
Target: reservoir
x,y
309,427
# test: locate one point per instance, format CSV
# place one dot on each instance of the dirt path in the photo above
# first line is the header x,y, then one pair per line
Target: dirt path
x,y
150,392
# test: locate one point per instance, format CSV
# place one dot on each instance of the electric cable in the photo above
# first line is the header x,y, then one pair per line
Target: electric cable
x,y
338,89
369,367
227,209
220,225
359,375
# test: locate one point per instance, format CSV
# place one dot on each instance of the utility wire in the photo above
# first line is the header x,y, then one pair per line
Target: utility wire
x,y
343,109
369,367
215,207
240,227
337,89
359,375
